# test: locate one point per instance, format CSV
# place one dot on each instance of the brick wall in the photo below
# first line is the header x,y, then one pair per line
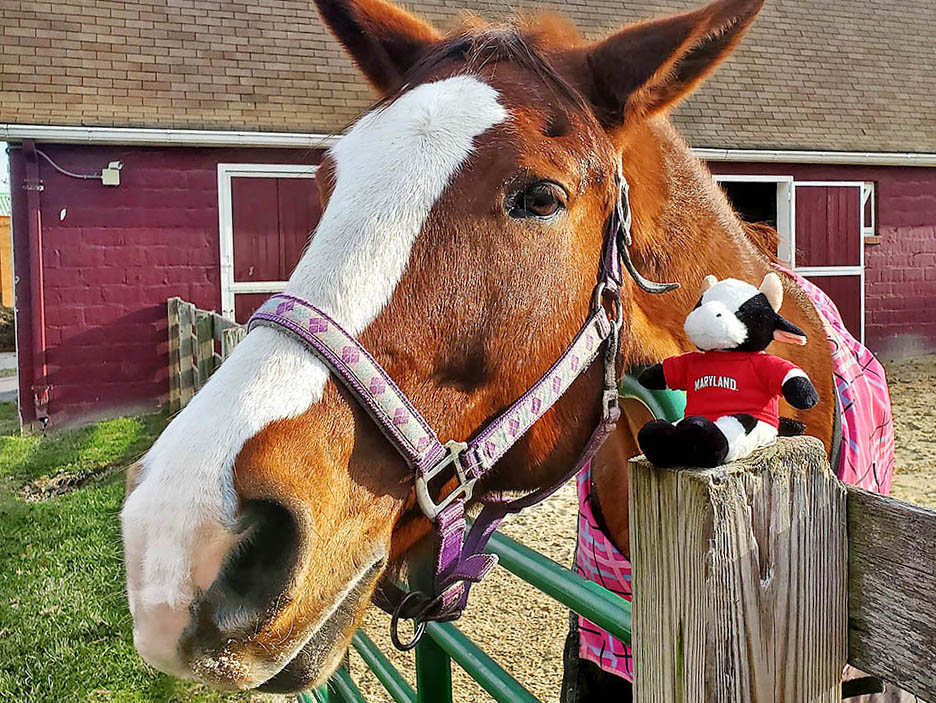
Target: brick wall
x,y
208,64
900,272
112,256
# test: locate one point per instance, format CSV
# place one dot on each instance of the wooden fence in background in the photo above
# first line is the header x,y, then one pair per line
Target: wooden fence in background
x,y
199,340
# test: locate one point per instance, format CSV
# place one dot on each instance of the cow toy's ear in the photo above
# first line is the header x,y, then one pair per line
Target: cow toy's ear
x,y
707,283
772,288
788,333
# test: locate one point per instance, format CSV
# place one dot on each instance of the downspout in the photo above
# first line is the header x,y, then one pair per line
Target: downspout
x,y
34,186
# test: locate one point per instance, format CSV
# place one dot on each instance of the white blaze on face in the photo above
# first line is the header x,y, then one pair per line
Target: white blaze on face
x,y
391,168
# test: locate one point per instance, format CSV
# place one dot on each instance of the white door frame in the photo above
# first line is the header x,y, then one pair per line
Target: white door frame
x,y
858,270
786,211
229,287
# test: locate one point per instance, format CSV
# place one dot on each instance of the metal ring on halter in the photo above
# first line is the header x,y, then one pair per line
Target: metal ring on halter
x,y
617,318
419,624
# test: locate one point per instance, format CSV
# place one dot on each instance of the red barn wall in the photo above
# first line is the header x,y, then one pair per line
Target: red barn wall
x,y
900,272
112,256
117,254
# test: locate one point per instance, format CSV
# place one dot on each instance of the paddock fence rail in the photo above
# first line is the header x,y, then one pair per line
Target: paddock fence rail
x,y
785,574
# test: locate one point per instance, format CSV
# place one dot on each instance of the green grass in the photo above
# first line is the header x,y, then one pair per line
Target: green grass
x,y
113,443
65,632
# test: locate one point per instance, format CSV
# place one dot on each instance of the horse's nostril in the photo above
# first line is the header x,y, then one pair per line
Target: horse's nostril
x,y
251,578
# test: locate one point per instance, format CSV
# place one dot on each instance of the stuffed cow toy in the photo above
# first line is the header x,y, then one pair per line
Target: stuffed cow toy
x,y
732,385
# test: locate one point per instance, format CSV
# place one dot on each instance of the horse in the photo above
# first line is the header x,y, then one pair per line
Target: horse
x,y
463,218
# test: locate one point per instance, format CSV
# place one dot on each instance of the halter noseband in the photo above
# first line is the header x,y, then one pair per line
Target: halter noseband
x,y
459,551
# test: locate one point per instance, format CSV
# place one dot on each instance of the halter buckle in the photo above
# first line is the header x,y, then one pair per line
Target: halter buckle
x,y
602,290
453,454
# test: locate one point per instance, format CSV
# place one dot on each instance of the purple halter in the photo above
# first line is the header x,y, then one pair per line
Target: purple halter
x,y
459,552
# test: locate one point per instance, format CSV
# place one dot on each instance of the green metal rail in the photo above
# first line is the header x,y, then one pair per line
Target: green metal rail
x,y
607,610
444,642
386,673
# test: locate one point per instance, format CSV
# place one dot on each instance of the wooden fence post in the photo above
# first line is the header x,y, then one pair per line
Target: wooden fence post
x,y
175,386
204,346
230,337
188,367
892,591
193,334
740,579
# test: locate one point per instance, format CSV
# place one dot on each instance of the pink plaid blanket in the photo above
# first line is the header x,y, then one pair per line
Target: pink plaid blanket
x,y
866,459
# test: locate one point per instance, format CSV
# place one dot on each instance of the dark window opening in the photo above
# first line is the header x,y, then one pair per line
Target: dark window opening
x,y
753,201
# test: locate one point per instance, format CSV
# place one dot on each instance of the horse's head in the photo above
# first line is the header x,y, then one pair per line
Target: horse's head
x,y
460,243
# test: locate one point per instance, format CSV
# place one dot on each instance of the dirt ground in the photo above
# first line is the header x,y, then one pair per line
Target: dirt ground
x,y
524,630
913,386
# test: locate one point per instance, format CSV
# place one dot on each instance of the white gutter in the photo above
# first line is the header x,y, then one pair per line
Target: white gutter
x,y
867,158
162,137
203,137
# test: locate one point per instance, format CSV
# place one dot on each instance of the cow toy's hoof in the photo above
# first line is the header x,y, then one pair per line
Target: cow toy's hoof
x,y
659,442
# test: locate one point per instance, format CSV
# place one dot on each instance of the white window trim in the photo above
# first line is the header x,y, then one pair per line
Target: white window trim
x,y
829,270
843,270
867,193
226,172
786,211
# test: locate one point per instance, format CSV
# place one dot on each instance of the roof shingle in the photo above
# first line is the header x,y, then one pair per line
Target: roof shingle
x,y
811,74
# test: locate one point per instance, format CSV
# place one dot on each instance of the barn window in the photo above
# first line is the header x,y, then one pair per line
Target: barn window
x,y
764,200
266,214
867,209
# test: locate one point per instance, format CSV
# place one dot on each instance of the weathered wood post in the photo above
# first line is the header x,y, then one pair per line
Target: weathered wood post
x,y
740,579
175,360
204,347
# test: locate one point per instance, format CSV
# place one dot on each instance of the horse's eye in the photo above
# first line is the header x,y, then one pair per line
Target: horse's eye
x,y
542,199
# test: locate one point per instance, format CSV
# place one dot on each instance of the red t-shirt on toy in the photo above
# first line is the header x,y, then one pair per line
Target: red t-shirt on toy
x,y
719,383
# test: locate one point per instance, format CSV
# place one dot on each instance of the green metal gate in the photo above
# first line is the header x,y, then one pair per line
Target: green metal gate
x,y
443,642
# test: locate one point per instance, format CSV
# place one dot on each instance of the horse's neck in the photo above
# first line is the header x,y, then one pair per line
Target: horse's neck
x,y
683,230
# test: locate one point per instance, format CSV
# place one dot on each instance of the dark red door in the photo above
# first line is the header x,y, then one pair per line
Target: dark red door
x,y
271,219
828,245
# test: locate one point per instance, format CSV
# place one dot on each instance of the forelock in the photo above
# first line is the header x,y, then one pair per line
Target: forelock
x,y
482,48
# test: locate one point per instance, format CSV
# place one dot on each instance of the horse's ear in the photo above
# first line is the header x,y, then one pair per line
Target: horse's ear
x,y
383,39
649,66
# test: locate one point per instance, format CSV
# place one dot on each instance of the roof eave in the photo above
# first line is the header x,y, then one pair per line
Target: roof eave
x,y
163,137
801,156
311,140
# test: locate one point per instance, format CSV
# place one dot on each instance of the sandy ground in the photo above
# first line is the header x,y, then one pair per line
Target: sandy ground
x,y
913,392
524,630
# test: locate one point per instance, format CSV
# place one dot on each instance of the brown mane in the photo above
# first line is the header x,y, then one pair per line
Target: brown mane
x,y
480,47
764,236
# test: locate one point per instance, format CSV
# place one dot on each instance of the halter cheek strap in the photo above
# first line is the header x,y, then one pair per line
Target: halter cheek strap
x,y
460,559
